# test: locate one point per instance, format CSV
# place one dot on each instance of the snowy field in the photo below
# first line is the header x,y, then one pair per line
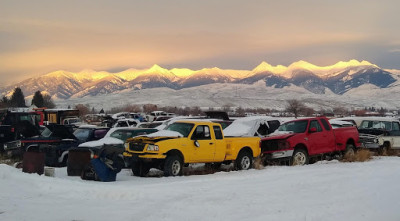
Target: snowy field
x,y
323,191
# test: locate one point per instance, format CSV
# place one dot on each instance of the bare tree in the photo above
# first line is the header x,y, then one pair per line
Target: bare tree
x,y
240,112
147,108
227,107
294,106
83,109
307,111
340,111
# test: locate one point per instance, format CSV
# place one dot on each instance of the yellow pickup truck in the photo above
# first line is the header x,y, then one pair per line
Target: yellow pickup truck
x,y
185,142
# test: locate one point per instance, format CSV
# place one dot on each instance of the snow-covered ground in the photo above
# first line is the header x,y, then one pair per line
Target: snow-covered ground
x,y
323,191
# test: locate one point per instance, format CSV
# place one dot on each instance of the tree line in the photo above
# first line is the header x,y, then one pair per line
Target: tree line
x,y
17,99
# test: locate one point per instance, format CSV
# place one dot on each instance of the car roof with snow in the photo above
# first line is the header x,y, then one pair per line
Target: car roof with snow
x,y
248,126
359,120
112,130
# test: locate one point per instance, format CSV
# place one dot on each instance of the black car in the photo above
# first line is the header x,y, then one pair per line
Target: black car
x,y
55,141
115,137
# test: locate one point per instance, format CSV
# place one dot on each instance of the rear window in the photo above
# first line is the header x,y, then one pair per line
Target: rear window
x,y
325,124
273,125
218,133
98,134
82,134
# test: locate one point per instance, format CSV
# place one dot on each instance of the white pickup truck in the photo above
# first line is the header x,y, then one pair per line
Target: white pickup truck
x,y
378,133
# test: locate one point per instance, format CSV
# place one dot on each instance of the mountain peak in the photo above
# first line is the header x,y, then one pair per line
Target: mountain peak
x,y
264,66
352,63
303,65
155,68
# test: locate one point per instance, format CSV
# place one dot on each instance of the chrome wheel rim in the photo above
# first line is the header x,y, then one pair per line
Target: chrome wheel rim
x,y
299,158
176,168
245,163
350,152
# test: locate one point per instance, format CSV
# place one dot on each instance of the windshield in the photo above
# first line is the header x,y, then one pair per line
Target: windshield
x,y
294,126
368,124
46,132
183,128
82,134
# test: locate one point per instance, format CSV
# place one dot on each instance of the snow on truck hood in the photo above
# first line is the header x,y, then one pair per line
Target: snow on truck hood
x,y
279,135
164,133
101,142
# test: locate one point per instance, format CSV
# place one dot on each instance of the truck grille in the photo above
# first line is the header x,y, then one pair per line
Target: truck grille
x,y
12,145
269,145
367,138
136,146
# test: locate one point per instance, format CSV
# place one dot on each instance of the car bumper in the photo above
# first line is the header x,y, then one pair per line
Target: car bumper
x,y
370,145
279,154
149,159
14,153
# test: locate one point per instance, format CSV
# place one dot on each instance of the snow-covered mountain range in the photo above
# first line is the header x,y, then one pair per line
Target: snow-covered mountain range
x,y
338,81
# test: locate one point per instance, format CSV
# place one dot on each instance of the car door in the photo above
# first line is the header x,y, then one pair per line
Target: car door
x,y
203,145
395,135
320,140
220,144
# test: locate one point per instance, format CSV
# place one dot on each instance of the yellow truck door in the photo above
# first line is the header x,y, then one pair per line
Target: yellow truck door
x,y
202,144
220,144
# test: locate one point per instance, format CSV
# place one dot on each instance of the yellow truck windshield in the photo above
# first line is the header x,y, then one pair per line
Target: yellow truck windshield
x,y
183,128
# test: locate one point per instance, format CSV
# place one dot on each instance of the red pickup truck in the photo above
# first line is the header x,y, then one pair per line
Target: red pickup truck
x,y
302,139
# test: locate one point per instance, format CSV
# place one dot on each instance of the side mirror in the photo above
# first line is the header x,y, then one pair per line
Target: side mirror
x,y
313,129
196,143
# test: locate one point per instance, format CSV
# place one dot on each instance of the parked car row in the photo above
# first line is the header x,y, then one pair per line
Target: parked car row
x,y
178,142
189,141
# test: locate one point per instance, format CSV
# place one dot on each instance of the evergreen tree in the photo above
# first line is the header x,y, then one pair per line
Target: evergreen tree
x,y
4,102
48,102
37,99
17,98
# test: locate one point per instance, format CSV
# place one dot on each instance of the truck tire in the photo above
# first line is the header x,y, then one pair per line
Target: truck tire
x,y
350,151
173,166
384,149
300,157
140,169
244,161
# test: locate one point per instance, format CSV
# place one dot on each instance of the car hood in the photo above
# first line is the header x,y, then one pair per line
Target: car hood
x,y
278,135
101,142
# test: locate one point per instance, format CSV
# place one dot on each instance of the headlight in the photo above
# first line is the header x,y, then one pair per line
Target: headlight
x,y
5,146
126,146
152,147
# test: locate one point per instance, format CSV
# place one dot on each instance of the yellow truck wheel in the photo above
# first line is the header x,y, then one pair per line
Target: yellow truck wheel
x,y
244,161
173,166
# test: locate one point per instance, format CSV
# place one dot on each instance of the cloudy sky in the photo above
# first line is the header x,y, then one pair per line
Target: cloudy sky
x,y
37,37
